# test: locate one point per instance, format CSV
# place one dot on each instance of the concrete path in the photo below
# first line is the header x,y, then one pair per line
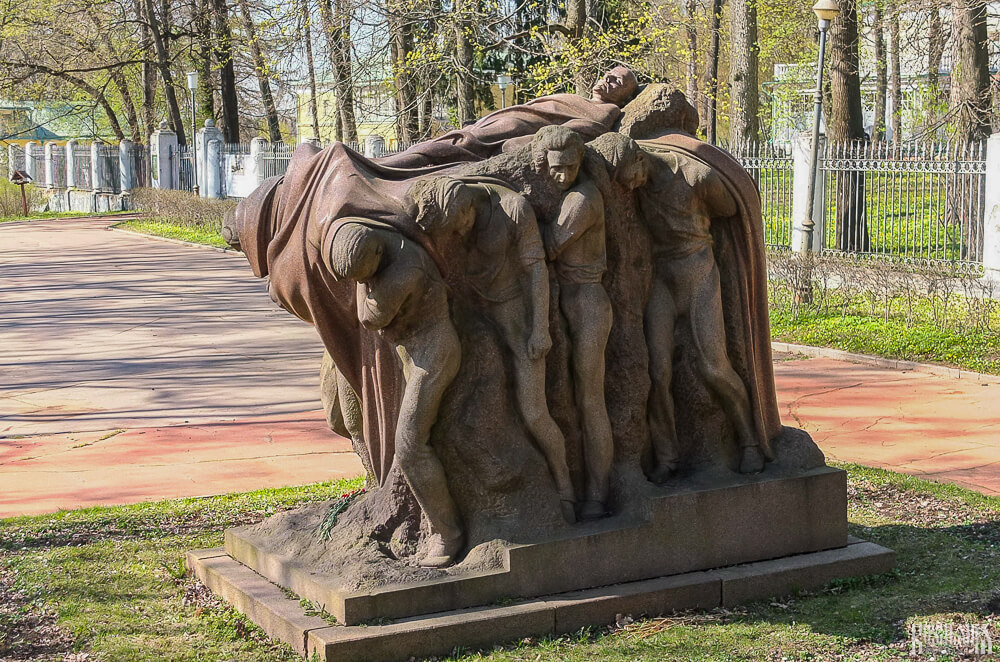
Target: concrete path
x,y
108,338
133,369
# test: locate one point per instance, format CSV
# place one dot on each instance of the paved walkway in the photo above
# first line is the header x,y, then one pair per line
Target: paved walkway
x,y
133,369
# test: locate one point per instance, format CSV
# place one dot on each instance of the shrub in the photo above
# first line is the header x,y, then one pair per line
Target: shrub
x,y
10,199
181,208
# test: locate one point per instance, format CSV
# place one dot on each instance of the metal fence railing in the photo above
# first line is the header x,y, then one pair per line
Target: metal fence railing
x,y
58,167
109,166
37,153
911,201
185,168
138,157
274,159
770,165
81,167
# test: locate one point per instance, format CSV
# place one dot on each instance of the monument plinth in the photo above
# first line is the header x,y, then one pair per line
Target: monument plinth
x,y
553,358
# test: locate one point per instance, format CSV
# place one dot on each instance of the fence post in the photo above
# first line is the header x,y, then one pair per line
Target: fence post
x,y
991,211
30,166
205,136
70,172
11,160
98,173
49,179
163,165
374,146
256,169
127,177
213,169
800,192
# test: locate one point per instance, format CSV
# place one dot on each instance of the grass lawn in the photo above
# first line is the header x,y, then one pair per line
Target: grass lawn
x,y
44,215
109,582
194,233
916,340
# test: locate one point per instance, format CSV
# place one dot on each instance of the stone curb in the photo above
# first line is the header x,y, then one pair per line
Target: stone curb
x,y
170,240
281,616
882,362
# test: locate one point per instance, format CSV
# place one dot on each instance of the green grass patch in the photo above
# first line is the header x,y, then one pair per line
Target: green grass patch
x,y
37,216
897,338
196,234
113,578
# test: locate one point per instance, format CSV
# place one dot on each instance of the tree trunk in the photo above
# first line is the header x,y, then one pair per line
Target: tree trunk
x,y
206,89
311,68
970,75
227,72
261,69
163,64
745,98
712,73
878,122
464,61
691,78
935,52
846,126
896,81
337,28
400,46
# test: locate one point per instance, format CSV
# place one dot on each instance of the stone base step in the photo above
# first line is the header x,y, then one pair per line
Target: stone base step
x,y
284,618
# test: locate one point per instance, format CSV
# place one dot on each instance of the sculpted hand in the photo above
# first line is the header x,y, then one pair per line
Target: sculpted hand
x,y
539,344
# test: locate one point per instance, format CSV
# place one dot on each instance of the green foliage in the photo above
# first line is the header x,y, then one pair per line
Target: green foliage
x,y
929,314
11,205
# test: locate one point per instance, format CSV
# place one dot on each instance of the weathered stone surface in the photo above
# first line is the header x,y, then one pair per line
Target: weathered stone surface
x,y
702,523
261,601
441,633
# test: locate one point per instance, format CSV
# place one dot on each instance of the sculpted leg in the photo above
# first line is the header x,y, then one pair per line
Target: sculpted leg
x,y
661,315
430,363
588,312
709,332
529,389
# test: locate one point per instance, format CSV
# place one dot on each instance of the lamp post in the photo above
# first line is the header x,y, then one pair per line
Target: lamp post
x,y
826,11
503,80
192,86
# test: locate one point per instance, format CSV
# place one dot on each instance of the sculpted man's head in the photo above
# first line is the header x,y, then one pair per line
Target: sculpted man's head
x,y
355,252
618,86
627,162
559,152
442,205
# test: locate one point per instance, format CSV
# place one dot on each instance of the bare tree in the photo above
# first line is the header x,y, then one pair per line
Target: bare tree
x,y
262,70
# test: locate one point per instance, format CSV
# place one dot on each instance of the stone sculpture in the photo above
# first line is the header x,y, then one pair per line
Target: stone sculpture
x,y
575,243
400,294
527,331
507,270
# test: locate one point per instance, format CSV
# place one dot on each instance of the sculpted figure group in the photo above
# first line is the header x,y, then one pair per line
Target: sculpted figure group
x,y
387,274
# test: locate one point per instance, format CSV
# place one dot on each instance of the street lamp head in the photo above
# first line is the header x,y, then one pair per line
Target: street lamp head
x,y
193,77
826,10
503,80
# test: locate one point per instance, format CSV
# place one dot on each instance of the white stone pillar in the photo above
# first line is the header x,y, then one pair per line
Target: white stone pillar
x,y
30,166
97,169
164,165
213,170
255,168
991,211
12,159
800,193
374,146
49,171
125,166
205,136
70,172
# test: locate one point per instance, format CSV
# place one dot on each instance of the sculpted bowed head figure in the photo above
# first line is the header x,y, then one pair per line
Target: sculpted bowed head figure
x,y
506,267
400,294
575,242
